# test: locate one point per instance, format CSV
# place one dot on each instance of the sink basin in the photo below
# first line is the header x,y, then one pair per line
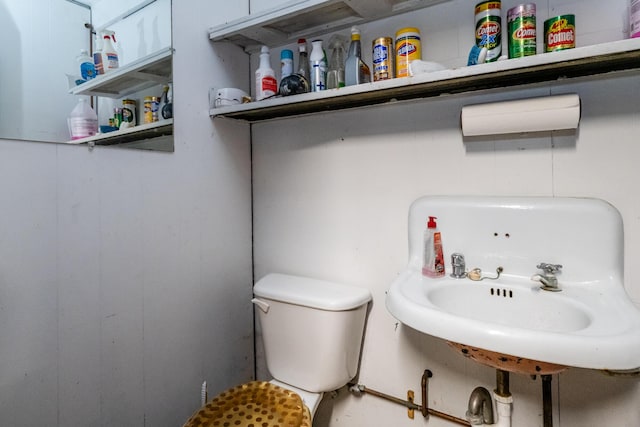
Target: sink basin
x,y
590,323
505,305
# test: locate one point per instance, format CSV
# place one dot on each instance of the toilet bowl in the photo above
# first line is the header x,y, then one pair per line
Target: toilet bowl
x,y
310,400
312,332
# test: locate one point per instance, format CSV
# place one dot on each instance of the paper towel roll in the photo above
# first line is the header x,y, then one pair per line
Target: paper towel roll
x,y
522,115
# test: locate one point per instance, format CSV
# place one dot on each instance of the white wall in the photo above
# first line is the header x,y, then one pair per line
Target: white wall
x,y
125,275
332,194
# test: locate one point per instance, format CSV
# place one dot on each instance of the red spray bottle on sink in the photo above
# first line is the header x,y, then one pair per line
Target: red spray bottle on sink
x,y
433,258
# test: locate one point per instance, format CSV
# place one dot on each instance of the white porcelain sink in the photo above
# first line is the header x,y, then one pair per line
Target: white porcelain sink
x,y
505,305
589,323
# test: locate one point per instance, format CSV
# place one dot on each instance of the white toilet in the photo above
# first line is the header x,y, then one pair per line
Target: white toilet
x,y
312,332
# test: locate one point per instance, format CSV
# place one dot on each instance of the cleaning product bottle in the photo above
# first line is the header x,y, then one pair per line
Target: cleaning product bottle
x,y
85,62
335,75
433,262
109,54
303,60
82,121
355,70
266,84
318,66
286,63
97,57
167,108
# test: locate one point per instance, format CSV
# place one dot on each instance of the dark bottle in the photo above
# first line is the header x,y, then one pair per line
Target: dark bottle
x,y
303,60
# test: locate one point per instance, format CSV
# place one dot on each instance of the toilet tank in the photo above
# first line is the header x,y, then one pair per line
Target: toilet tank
x,y
312,330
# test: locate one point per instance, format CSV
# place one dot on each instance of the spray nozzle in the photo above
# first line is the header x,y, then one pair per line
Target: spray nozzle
x,y
432,222
302,45
337,42
109,34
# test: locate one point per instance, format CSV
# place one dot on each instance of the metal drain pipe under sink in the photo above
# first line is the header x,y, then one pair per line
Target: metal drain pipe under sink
x,y
480,408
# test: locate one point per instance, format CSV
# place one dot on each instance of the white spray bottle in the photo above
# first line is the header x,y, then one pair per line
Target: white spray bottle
x,y
109,53
266,83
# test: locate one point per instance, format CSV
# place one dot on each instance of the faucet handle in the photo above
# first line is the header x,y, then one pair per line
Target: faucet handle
x,y
549,268
459,266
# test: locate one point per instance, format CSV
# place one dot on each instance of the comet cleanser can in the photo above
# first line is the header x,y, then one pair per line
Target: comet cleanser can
x,y
489,28
521,24
560,33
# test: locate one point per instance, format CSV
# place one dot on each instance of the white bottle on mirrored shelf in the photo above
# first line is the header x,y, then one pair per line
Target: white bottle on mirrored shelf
x,y
82,121
110,60
97,57
85,65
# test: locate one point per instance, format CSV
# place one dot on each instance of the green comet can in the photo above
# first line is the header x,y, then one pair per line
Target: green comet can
x,y
560,33
489,28
521,24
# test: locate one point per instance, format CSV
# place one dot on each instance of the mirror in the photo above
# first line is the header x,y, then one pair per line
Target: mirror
x,y
46,37
42,39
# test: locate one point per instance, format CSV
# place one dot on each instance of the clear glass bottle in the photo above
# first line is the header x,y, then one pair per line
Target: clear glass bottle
x,y
335,75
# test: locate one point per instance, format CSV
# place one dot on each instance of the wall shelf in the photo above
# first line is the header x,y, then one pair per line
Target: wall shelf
x,y
308,18
623,55
144,73
134,134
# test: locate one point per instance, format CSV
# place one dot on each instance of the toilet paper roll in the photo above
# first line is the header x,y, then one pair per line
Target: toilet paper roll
x,y
523,115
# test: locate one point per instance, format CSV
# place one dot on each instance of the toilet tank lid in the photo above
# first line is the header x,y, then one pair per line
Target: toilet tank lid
x,y
312,293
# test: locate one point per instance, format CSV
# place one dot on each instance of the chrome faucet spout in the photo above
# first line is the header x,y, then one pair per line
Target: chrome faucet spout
x,y
548,278
548,281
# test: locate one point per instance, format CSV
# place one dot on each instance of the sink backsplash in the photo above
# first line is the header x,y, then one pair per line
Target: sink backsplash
x,y
517,233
